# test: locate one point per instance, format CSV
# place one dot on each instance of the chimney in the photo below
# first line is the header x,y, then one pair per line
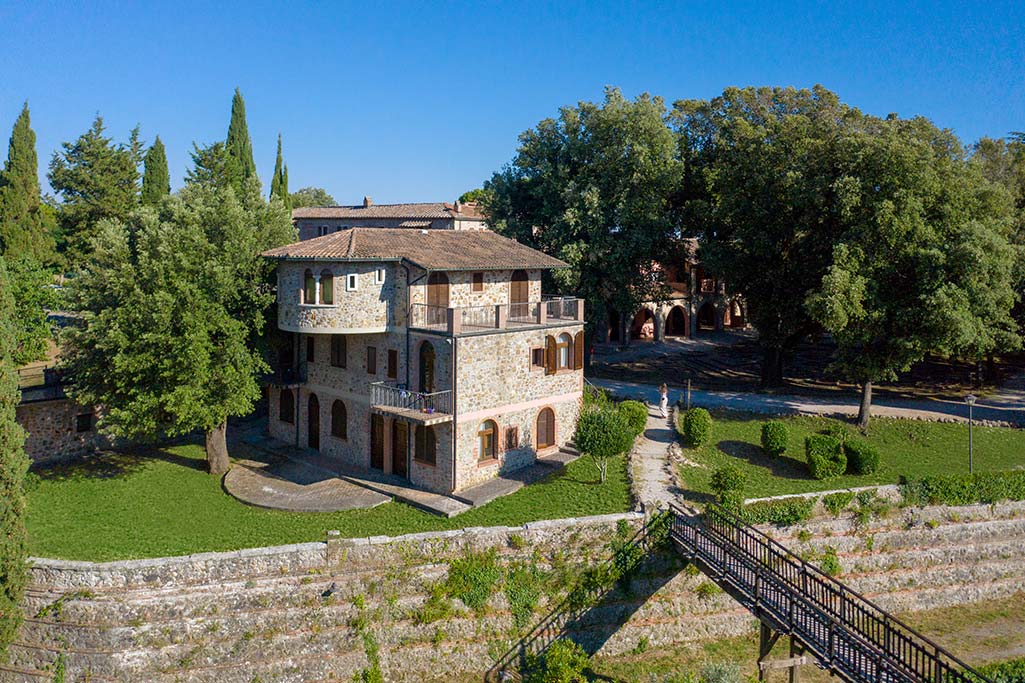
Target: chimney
x,y
459,206
367,201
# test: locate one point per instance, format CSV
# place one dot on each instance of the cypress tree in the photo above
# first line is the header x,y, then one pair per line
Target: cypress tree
x,y
13,466
26,224
240,165
156,179
279,181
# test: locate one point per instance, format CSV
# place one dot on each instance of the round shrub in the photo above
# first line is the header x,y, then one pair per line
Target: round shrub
x,y
697,426
838,431
825,456
603,433
728,484
774,438
862,457
636,414
563,662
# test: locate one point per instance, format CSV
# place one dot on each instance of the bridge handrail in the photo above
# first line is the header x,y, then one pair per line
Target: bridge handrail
x,y
848,607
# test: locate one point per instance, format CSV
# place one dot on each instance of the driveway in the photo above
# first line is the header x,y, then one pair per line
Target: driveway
x,y
1007,405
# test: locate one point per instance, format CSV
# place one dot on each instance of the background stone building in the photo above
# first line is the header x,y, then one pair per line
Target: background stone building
x,y
427,354
317,221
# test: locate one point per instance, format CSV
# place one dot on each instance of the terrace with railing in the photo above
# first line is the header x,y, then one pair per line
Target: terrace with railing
x,y
396,399
481,319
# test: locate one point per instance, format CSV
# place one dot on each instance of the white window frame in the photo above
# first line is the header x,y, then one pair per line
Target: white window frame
x,y
322,230
352,282
379,276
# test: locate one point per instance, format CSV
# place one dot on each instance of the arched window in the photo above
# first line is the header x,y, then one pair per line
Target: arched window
x,y
564,347
313,422
545,428
309,288
426,367
486,437
286,406
426,445
339,421
327,287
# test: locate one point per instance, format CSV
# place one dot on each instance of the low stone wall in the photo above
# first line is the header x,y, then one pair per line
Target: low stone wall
x,y
307,612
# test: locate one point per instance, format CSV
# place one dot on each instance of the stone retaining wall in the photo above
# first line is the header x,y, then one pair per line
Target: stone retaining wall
x,y
300,613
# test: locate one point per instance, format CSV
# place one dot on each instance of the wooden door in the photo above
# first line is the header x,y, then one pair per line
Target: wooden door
x,y
313,423
546,428
377,442
519,295
437,298
400,448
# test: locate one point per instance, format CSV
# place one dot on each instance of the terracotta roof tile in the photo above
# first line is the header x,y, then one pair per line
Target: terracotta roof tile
x,y
467,210
430,249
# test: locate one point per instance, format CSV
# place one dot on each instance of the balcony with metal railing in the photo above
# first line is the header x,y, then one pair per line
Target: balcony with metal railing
x,y
463,320
398,401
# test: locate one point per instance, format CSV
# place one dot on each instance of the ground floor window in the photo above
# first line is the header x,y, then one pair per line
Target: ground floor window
x,y
546,428
486,438
84,423
286,406
426,445
339,420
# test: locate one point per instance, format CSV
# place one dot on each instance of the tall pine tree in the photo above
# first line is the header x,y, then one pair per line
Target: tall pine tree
x,y
156,179
240,166
13,466
26,224
96,178
279,181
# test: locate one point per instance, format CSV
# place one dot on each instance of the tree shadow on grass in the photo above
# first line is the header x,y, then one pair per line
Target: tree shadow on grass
x,y
115,464
783,467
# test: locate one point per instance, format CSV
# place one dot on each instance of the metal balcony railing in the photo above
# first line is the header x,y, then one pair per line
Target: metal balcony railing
x,y
470,319
397,396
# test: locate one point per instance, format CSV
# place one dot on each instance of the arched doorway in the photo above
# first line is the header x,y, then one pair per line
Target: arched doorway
x,y
643,325
676,322
736,312
519,295
545,428
614,326
313,422
426,365
437,298
706,316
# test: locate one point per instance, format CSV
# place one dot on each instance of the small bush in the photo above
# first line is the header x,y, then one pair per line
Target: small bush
x,y
781,513
862,457
728,484
636,414
563,662
1011,671
594,397
839,431
720,672
603,433
472,578
697,426
836,503
774,438
829,563
825,456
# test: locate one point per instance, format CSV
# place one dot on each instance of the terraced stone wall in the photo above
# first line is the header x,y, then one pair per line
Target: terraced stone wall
x,y
325,611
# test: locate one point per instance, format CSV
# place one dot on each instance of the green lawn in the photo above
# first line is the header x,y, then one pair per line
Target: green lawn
x,y
126,506
908,448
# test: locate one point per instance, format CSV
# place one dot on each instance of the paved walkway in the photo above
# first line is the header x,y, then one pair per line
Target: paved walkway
x,y
649,461
290,485
1008,405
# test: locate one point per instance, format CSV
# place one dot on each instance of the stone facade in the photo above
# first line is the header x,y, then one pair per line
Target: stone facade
x,y
290,614
58,430
375,304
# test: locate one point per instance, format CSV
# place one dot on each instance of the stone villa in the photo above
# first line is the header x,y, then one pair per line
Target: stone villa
x,y
317,221
425,353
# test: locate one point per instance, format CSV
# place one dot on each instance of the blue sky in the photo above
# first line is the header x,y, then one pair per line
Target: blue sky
x,y
419,102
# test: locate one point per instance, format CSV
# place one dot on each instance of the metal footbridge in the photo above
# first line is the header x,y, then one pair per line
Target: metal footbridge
x,y
842,631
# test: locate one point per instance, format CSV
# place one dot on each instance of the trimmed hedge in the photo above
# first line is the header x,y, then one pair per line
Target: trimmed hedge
x,y
636,414
825,456
862,457
697,426
838,431
774,438
728,483
781,513
965,489
1011,671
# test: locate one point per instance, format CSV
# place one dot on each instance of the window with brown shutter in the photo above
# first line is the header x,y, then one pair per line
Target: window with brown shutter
x,y
578,351
512,438
478,282
551,355
393,363
537,357
371,360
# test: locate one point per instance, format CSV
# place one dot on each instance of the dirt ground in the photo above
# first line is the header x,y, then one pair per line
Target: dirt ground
x,y
730,361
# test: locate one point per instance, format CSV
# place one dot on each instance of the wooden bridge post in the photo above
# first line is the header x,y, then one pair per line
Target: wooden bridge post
x,y
766,641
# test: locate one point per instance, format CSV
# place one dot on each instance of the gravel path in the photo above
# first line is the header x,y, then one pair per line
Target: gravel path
x,y
649,461
1008,405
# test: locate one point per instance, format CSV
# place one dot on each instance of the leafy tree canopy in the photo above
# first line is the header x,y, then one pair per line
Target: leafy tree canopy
x,y
478,195
593,188
312,196
32,289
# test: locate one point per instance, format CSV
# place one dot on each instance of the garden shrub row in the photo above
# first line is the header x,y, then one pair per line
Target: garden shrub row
x,y
965,489
782,513
825,456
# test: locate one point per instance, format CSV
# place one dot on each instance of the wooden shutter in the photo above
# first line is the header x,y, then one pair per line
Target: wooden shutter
x,y
551,355
578,351
545,428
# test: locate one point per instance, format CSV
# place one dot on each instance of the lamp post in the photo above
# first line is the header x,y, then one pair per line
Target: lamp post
x,y
970,400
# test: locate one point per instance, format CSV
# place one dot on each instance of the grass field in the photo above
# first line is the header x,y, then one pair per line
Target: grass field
x,y
908,448
164,503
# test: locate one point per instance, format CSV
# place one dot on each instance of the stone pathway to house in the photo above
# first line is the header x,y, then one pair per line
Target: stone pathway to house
x,y
1008,405
292,485
649,461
